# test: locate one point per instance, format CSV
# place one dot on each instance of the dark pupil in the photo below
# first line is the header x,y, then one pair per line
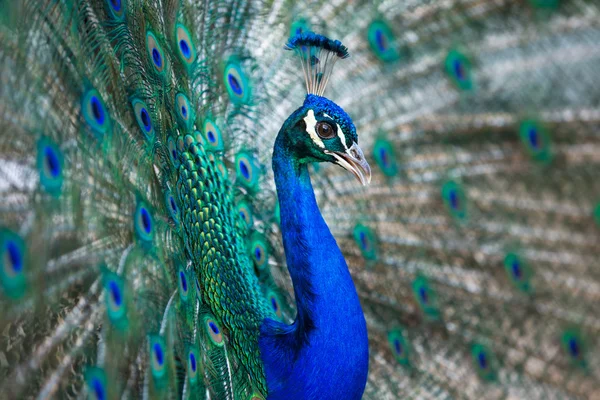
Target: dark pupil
x,y
454,201
185,49
325,130
146,119
482,360
363,240
146,220
245,171
459,70
235,85
257,253
52,161
274,303
533,138
423,295
114,291
193,362
157,58
384,158
158,353
14,256
574,347
97,110
380,39
516,269
98,389
183,281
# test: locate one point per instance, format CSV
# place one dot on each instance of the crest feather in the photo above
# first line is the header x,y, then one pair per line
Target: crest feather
x,y
318,54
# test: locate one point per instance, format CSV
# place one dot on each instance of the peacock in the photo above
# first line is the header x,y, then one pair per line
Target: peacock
x,y
186,211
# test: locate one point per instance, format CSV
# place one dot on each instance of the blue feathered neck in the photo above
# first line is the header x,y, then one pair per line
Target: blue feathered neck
x,y
324,353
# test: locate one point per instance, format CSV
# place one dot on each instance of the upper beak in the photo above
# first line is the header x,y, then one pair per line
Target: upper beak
x,y
354,161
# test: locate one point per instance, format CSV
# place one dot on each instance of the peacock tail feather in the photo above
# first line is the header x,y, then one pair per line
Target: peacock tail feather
x,y
140,238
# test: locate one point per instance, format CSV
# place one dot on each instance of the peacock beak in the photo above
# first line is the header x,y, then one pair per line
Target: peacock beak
x,y
354,161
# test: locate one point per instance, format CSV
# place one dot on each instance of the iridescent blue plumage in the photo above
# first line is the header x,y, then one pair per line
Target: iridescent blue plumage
x,y
324,354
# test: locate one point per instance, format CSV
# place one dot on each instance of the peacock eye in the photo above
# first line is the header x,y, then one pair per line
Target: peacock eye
x,y
325,130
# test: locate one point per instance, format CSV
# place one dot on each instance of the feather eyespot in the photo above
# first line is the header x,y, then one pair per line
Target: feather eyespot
x,y
222,170
245,212
214,331
382,41
258,251
12,263
366,240
114,298
94,112
50,166
458,68
247,171
426,297
400,347
213,135
96,383
183,285
485,361
185,45
455,200
116,8
192,366
183,110
173,152
157,356
275,304
325,130
236,83
142,117
574,346
143,222
518,271
155,53
172,207
536,139
384,155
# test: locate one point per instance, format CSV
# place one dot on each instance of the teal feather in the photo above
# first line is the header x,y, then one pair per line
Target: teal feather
x,y
141,246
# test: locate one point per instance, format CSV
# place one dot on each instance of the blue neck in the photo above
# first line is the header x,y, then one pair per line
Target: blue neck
x,y
324,354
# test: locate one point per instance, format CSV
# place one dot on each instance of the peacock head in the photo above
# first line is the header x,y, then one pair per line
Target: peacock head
x,y
320,130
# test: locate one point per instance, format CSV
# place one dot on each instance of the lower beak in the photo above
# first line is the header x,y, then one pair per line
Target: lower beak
x,y
354,161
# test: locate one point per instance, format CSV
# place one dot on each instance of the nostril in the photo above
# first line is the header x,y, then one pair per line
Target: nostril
x,y
355,153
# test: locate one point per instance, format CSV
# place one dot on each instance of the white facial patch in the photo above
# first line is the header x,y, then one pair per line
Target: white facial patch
x,y
341,136
311,123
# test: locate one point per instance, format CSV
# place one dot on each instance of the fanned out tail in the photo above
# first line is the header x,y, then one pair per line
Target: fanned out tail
x,y
139,240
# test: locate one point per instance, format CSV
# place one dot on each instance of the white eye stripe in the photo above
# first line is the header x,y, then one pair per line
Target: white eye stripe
x,y
325,115
341,136
311,123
